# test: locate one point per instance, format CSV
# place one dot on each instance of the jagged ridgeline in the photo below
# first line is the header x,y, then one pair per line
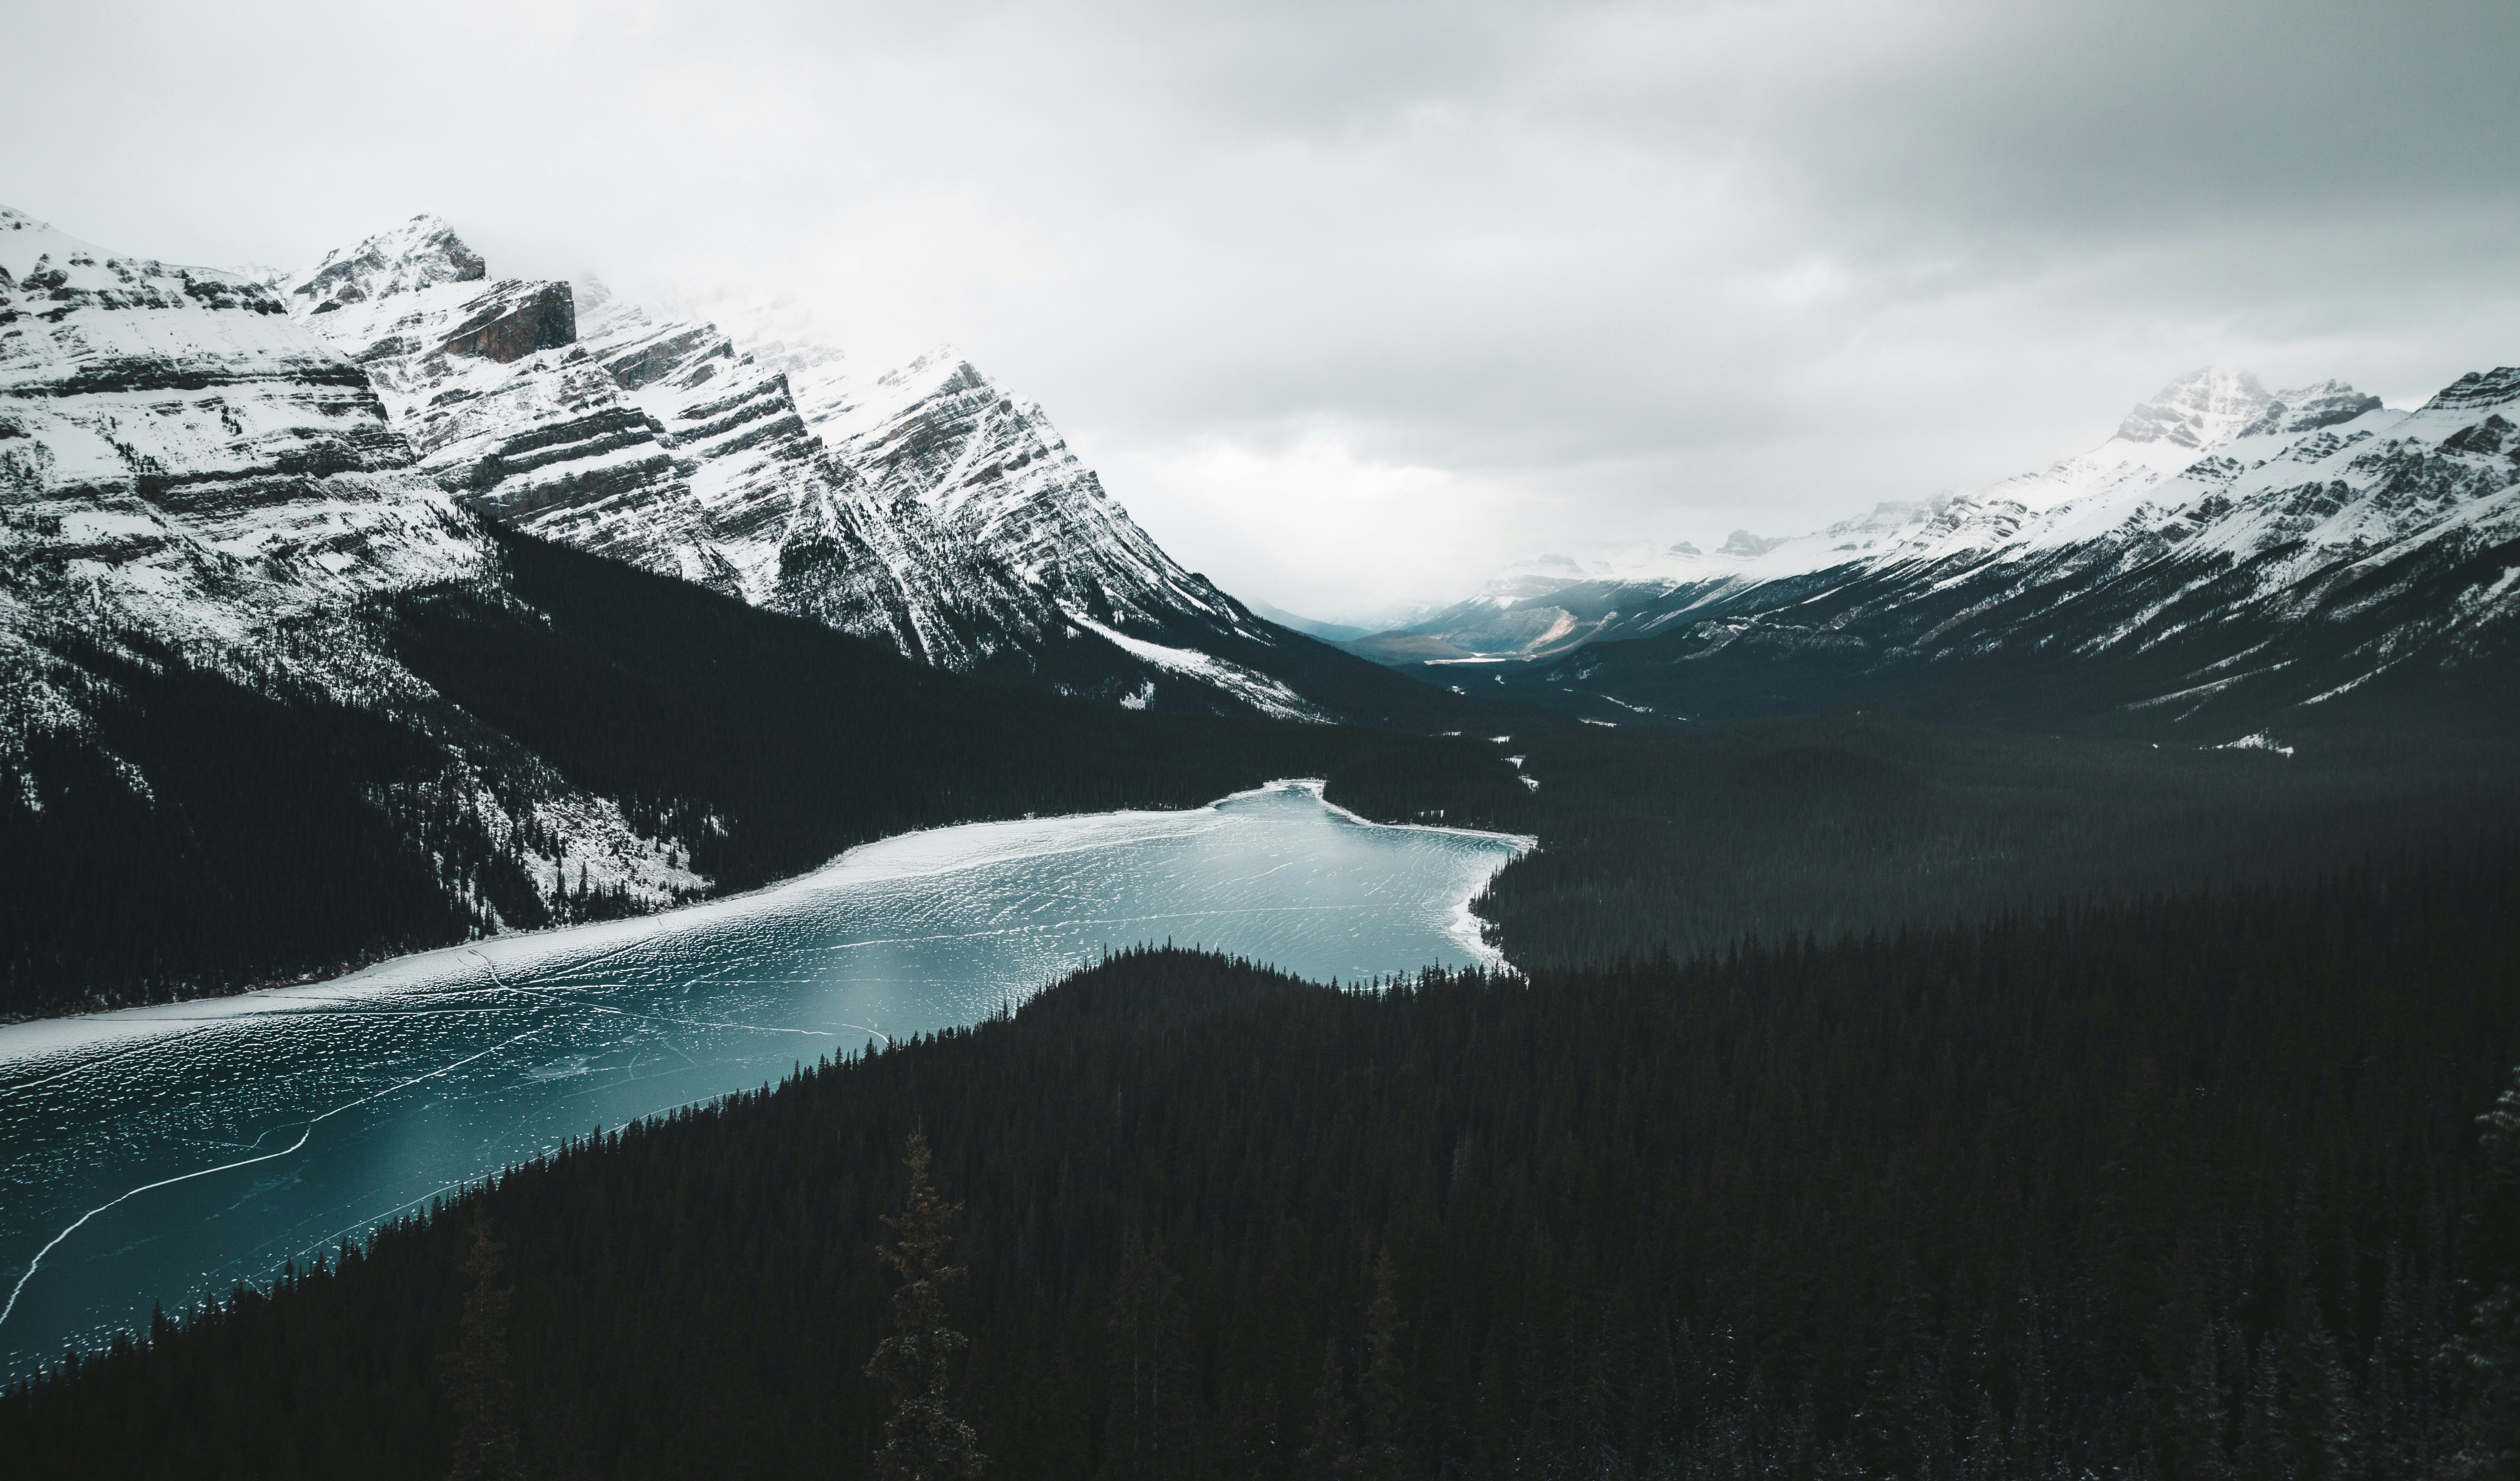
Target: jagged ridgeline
x,y
274,698
2303,564
924,506
2185,1189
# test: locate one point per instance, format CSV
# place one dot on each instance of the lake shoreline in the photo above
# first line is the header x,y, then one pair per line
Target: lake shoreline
x,y
348,972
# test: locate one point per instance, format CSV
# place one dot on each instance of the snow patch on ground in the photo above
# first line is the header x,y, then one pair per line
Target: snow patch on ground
x,y
1258,690
599,852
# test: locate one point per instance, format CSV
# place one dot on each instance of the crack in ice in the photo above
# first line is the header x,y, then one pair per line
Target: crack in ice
x,y
306,1132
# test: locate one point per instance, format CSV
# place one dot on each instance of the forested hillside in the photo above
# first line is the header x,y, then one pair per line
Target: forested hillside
x,y
2185,1189
215,829
280,832
1863,820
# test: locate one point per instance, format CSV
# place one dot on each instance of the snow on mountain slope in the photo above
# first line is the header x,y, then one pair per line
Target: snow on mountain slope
x,y
177,454
2304,543
924,507
503,404
2069,506
993,474
184,468
422,253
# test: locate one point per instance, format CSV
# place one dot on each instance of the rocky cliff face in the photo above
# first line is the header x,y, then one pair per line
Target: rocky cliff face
x,y
924,507
178,454
190,475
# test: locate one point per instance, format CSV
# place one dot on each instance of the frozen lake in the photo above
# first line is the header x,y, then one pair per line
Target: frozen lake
x,y
168,1152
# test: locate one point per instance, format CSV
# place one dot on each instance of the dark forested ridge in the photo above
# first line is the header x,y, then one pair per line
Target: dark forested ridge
x,y
214,829
1862,820
2181,1188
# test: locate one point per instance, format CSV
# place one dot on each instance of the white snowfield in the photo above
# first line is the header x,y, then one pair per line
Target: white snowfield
x,y
1262,693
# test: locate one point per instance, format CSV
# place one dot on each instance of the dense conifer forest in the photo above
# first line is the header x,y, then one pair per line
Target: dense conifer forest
x,y
1862,820
2181,1186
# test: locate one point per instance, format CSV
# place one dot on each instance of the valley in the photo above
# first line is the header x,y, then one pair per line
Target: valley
x,y
516,802
295,685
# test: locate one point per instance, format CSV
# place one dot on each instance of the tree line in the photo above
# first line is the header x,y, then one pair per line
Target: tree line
x,y
222,824
2191,1187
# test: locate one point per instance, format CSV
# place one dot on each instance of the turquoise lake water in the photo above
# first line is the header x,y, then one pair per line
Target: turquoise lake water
x,y
164,1153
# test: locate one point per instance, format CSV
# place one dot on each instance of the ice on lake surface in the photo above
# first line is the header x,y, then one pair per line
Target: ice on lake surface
x,y
204,1144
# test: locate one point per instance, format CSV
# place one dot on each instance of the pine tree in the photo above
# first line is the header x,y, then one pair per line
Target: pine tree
x,y
1327,1454
1146,1437
1986,1459
2200,1415
2485,1360
1385,1426
923,1440
477,1376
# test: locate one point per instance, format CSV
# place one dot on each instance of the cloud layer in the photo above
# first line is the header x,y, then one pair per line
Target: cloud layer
x,y
1353,302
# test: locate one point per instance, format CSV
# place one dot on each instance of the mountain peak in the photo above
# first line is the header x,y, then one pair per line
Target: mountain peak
x,y
25,240
2478,390
2307,408
943,368
422,253
2198,410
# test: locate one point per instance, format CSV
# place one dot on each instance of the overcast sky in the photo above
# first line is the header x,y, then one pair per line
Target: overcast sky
x,y
1352,303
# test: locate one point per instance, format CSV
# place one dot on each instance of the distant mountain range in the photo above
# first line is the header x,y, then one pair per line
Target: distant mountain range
x,y
2232,559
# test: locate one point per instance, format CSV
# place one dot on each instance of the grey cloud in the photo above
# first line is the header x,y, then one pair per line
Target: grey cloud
x,y
1640,270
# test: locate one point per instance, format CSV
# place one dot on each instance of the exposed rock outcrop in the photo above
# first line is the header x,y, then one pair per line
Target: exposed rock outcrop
x,y
925,507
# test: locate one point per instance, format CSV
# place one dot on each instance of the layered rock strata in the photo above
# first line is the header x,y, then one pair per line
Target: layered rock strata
x,y
925,507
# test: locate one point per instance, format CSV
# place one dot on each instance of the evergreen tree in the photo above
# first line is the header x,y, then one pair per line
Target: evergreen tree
x,y
1931,1172
1328,1454
923,1440
1145,1436
1382,1456
478,1378
2198,1454
2485,1360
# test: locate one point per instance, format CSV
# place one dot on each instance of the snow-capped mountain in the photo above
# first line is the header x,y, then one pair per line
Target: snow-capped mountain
x,y
1553,604
179,458
190,475
924,506
2229,549
175,452
279,694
